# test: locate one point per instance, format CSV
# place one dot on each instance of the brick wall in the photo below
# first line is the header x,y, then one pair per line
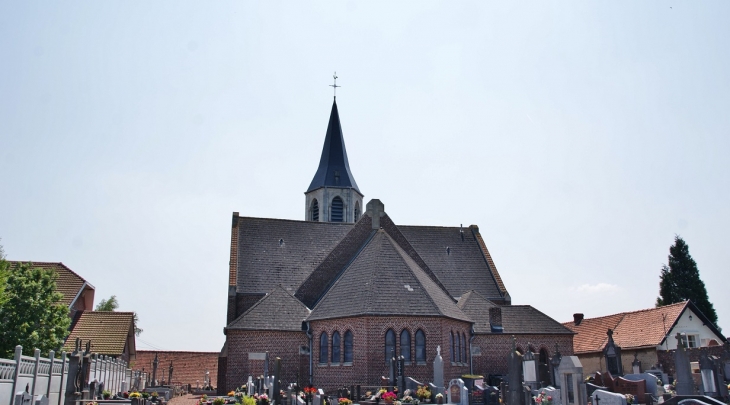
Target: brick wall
x,y
188,367
496,347
278,343
369,363
593,362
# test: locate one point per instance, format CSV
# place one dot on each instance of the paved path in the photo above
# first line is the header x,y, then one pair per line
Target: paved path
x,y
185,400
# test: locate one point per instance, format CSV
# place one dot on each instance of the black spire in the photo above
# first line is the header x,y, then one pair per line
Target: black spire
x,y
334,169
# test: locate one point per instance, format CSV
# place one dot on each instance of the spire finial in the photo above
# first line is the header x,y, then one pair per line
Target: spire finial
x,y
335,85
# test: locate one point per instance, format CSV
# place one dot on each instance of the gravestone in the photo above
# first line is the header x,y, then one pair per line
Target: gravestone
x,y
435,390
635,388
590,388
552,392
456,392
612,354
658,373
601,397
317,399
412,385
514,377
682,369
40,400
23,398
438,372
572,389
651,381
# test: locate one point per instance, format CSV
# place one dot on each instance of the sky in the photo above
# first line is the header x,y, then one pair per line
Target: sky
x,y
580,137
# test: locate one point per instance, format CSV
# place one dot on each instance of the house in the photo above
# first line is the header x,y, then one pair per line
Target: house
x,y
340,293
649,335
78,294
110,333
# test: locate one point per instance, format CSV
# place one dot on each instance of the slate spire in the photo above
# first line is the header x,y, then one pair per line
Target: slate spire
x,y
334,169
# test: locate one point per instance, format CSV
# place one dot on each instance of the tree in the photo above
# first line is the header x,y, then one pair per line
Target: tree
x,y
3,276
111,305
680,280
33,315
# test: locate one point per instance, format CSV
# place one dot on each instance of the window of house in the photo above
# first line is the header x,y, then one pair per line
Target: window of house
x,y
357,211
693,341
348,347
336,347
323,348
315,210
337,209
420,346
458,348
463,348
405,345
389,344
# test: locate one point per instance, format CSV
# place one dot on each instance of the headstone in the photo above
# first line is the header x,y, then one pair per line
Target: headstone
x,y
572,389
636,388
455,391
438,371
592,387
276,399
552,392
612,354
514,376
601,397
464,396
651,381
40,400
23,398
434,389
412,384
658,373
683,370
317,400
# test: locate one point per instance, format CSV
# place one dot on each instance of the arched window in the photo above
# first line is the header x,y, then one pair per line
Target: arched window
x,y
314,214
463,348
453,348
389,344
337,208
357,210
458,347
323,348
420,346
348,347
405,345
336,347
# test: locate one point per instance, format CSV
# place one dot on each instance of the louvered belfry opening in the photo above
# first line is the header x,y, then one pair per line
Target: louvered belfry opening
x,y
315,210
337,207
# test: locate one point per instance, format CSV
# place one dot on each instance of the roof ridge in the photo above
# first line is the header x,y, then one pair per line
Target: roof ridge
x,y
296,220
683,303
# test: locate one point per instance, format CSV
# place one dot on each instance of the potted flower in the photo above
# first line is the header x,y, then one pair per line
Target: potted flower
x,y
344,401
543,399
145,395
388,397
263,399
629,398
106,394
407,399
439,398
247,400
424,393
219,401
155,396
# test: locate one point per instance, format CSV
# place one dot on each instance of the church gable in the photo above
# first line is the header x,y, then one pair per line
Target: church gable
x,y
384,280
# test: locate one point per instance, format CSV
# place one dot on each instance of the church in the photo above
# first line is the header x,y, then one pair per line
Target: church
x,y
336,294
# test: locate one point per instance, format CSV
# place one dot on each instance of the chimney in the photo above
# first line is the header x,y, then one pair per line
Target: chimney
x,y
375,209
577,319
495,319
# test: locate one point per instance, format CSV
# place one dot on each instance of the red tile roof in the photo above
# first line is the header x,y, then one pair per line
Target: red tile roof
x,y
108,331
646,327
68,282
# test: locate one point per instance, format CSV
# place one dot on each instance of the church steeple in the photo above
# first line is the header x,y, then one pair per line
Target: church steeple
x,y
334,168
333,194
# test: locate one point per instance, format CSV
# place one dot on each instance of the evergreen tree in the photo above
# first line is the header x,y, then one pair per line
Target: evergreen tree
x,y
680,280
3,277
33,315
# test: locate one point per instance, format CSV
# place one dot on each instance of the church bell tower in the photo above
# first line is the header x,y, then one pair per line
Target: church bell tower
x,y
333,195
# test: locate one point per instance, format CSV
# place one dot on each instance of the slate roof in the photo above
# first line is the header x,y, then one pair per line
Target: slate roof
x,y
108,331
516,319
334,158
464,267
384,280
278,310
264,263
643,328
68,282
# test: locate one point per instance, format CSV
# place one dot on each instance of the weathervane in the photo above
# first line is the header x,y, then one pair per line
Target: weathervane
x,y
335,85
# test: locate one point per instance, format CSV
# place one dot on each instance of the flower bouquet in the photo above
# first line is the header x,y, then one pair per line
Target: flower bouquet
x,y
388,396
629,398
543,399
263,399
344,401
423,393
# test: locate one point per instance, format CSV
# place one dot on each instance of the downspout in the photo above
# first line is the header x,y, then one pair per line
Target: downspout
x,y
311,364
471,355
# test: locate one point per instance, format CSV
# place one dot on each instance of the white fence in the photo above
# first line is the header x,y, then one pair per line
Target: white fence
x,y
114,373
42,376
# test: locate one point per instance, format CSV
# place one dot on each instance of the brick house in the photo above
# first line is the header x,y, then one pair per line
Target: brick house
x,y
648,334
334,295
